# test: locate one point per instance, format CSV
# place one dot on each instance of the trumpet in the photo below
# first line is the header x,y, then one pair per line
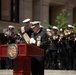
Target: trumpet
x,y
55,37
75,37
61,37
66,32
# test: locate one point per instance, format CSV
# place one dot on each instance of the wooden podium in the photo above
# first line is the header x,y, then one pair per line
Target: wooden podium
x,y
22,63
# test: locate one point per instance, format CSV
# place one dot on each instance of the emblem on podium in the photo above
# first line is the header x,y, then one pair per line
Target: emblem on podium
x,y
12,51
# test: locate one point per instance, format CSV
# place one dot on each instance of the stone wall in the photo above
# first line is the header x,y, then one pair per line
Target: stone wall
x,y
4,25
46,72
60,72
39,10
6,72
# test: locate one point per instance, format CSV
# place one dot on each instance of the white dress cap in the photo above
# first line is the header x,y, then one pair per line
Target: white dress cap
x,y
54,27
41,26
33,24
10,26
48,30
26,20
61,29
70,26
36,22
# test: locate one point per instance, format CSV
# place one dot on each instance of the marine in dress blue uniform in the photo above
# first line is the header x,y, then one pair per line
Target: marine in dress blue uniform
x,y
38,38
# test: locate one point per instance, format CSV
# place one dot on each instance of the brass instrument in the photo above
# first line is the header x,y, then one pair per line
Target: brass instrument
x,y
60,38
75,37
68,35
50,40
55,37
66,32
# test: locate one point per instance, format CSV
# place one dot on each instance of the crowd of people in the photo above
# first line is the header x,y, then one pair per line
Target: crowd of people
x,y
61,52
59,45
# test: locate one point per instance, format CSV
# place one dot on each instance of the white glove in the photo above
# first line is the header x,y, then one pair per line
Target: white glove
x,y
32,41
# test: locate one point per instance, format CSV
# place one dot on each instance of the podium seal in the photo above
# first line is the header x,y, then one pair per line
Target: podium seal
x,y
12,51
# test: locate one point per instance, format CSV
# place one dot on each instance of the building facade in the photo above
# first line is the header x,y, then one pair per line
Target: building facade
x,y
15,11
